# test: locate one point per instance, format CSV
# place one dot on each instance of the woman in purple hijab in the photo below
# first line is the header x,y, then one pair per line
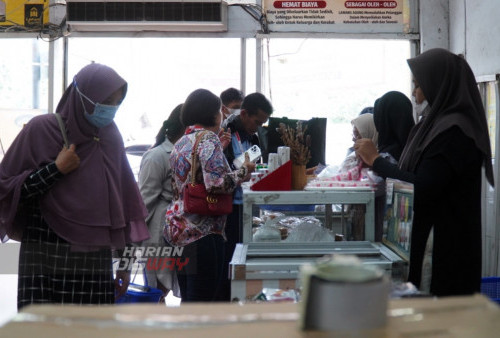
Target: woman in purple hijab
x,y
70,206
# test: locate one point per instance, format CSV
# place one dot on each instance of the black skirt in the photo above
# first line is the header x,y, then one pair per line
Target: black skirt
x,y
51,272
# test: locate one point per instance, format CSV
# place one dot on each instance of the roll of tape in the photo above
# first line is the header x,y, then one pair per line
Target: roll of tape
x,y
344,297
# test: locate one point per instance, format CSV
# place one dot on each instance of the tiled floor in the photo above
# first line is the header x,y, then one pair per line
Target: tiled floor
x,y
8,283
8,297
9,257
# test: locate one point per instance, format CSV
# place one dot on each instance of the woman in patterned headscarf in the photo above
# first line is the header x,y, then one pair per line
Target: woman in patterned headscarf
x,y
70,207
443,159
362,127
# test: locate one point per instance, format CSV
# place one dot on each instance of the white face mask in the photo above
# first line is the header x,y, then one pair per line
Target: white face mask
x,y
418,109
232,111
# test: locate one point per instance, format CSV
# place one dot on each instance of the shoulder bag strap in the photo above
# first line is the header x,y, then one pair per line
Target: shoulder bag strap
x,y
63,129
194,156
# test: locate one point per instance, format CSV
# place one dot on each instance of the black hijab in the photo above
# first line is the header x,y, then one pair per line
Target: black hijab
x,y
393,117
450,88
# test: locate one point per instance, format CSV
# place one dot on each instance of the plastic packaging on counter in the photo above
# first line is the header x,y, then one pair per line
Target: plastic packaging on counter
x,y
277,295
309,232
267,233
350,174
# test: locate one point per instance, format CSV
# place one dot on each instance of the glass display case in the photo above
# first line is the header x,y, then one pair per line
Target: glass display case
x,y
254,200
275,264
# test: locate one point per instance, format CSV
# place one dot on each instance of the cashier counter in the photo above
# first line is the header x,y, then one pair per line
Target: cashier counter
x,y
273,265
474,316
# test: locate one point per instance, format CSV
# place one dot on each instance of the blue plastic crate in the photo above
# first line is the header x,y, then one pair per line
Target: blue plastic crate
x,y
140,293
490,286
137,293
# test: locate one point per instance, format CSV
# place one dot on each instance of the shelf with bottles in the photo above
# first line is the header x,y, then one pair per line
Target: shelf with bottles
x,y
398,219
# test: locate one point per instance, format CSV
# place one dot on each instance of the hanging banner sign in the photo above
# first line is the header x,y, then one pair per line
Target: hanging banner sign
x,y
338,16
22,13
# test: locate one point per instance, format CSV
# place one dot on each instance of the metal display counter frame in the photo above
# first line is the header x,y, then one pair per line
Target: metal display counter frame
x,y
257,265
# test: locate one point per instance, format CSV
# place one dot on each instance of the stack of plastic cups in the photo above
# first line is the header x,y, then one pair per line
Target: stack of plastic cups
x,y
284,154
273,162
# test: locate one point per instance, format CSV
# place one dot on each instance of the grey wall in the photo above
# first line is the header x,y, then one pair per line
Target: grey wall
x,y
468,27
457,26
434,24
475,32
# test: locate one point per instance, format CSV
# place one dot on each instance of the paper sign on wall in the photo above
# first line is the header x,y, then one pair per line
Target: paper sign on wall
x,y
338,16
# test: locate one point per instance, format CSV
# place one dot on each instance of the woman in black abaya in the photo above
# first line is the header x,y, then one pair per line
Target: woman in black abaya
x,y
443,159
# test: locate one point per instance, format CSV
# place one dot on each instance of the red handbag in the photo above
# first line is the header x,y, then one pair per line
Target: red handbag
x,y
197,200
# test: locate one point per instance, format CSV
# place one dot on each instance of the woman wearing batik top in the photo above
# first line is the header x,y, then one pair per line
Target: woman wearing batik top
x,y
71,207
201,236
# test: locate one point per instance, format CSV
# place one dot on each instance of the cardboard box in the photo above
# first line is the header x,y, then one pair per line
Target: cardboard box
x,y
473,316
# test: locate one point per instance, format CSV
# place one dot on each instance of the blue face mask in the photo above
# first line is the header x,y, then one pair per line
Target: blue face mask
x,y
103,113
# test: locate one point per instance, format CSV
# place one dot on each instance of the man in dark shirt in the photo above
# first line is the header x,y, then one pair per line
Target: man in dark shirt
x,y
245,130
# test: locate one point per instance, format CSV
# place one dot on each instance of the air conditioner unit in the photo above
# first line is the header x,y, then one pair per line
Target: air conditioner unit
x,y
153,15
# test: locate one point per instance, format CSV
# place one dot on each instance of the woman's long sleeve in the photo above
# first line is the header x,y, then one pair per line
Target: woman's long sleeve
x,y
151,182
40,181
385,169
441,163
